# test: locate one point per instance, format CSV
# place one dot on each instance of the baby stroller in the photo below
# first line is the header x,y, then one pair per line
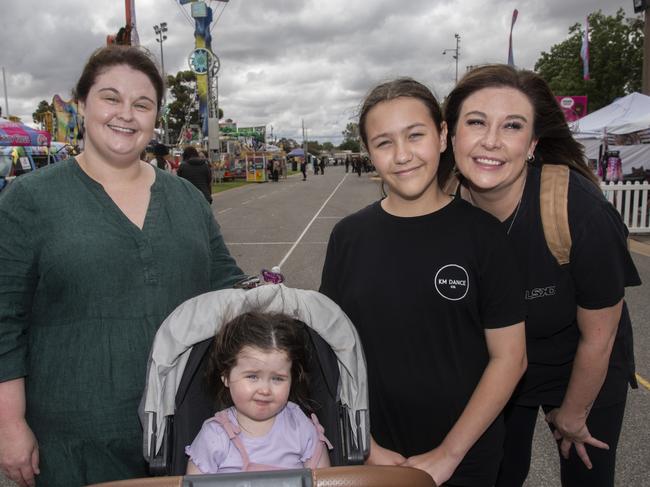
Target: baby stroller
x,y
175,403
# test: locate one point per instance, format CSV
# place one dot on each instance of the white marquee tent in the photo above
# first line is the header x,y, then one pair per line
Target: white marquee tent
x,y
627,117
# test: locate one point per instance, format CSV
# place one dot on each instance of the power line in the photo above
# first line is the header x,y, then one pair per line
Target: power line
x,y
225,4
185,14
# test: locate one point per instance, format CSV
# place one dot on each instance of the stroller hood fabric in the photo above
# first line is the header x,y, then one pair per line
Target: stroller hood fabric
x,y
201,318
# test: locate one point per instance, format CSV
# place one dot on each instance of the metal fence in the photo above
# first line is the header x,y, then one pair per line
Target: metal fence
x,y
631,201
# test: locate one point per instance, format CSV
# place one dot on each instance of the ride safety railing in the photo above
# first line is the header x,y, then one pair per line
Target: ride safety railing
x,y
631,200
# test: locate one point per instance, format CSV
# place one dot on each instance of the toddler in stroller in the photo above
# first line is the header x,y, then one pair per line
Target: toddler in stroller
x,y
176,401
257,367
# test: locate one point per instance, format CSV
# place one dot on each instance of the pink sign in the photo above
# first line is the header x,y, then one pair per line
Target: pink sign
x,y
574,107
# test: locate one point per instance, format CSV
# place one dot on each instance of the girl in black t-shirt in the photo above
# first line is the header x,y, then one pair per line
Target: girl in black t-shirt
x,y
504,124
431,285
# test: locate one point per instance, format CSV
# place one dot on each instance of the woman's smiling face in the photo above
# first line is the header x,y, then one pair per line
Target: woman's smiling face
x,y
119,114
494,137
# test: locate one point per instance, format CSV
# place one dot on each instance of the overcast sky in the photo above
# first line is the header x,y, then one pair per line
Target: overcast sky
x,y
286,60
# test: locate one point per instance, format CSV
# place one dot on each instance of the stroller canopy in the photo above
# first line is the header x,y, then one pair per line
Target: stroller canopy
x,y
201,318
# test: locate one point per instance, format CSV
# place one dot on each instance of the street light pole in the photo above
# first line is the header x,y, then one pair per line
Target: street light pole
x,y
161,30
456,53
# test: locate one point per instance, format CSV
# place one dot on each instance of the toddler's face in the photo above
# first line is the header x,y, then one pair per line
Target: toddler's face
x,y
259,385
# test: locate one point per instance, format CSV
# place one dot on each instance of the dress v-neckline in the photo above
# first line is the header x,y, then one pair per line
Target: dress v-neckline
x,y
112,208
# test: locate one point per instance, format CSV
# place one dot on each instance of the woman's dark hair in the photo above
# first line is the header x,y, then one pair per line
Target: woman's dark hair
x,y
400,87
137,58
555,145
266,331
190,153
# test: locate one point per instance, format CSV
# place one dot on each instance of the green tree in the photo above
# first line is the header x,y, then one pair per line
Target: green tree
x,y
328,146
351,132
351,145
287,145
313,147
182,88
39,114
351,139
615,60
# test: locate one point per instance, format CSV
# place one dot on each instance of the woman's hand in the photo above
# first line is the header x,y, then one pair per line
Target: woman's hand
x,y
438,463
383,456
572,430
18,453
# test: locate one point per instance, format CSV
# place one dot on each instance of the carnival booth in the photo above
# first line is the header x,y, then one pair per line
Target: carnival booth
x,y
621,128
22,150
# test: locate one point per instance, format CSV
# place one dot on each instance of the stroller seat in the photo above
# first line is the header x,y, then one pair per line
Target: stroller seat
x,y
175,403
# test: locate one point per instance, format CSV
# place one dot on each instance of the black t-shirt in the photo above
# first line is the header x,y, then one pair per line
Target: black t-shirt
x,y
421,291
599,270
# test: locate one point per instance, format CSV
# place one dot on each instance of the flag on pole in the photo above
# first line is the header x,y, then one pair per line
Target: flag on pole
x,y
584,51
511,60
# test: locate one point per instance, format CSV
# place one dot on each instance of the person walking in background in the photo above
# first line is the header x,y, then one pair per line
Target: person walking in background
x,y
505,126
303,168
347,163
197,171
95,252
432,287
161,152
322,165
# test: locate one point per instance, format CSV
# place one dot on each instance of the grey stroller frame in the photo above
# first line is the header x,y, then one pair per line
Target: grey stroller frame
x,y
175,404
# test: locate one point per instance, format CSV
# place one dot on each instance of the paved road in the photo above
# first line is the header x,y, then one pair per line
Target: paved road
x,y
289,222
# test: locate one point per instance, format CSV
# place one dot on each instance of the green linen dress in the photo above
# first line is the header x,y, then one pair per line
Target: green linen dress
x,y
82,292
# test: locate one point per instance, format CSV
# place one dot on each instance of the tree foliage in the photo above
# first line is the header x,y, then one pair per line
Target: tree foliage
x,y
351,145
615,60
351,139
182,89
43,107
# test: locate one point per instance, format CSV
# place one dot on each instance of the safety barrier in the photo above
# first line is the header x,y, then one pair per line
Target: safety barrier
x,y
631,201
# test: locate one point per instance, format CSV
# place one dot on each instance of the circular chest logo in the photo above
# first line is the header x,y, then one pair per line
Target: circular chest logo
x,y
452,282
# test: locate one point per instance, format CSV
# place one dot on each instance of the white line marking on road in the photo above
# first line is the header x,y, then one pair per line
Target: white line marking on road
x,y
273,243
246,202
284,259
223,211
263,196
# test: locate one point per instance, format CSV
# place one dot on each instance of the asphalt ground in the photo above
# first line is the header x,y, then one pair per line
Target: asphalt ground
x,y
289,223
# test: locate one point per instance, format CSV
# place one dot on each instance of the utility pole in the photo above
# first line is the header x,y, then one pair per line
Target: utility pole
x,y
161,32
4,83
304,142
645,87
456,52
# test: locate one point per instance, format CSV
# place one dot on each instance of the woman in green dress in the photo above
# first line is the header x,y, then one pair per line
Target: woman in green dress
x,y
94,253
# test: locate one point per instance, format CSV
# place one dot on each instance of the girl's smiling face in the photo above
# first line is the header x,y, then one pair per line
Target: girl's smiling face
x,y
494,137
405,144
119,114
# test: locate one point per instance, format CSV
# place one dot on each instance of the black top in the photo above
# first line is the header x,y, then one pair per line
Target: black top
x,y
600,269
421,291
197,172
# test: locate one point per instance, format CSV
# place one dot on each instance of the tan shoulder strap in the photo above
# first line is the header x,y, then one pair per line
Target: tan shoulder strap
x,y
554,197
451,185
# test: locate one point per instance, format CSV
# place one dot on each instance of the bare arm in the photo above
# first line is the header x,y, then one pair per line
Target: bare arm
x,y
18,446
383,456
324,460
597,334
192,469
507,363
